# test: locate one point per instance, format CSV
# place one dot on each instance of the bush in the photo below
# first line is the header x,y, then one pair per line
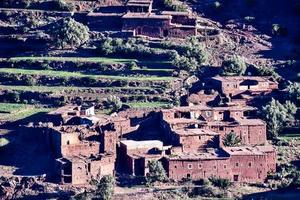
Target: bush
x,y
267,71
294,92
220,182
69,33
234,66
105,187
231,140
113,102
64,6
277,115
278,30
156,173
174,5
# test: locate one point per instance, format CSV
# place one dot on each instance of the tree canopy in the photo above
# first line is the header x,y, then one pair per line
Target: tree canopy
x,y
69,33
277,115
156,172
105,187
231,140
234,66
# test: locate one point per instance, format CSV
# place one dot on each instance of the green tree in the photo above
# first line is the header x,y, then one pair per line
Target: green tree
x,y
267,71
105,187
113,102
69,33
294,92
156,173
234,66
220,182
277,115
231,140
185,63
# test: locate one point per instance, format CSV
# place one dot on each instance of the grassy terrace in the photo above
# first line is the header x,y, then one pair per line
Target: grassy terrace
x,y
78,74
147,104
104,60
61,88
14,112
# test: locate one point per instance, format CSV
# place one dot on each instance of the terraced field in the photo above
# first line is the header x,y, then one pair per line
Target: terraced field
x,y
14,111
147,84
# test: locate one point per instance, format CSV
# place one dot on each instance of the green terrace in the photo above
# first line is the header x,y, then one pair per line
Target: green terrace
x,y
104,60
63,88
148,64
15,111
156,104
81,75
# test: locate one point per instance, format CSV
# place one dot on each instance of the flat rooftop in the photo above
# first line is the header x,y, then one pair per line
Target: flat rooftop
x,y
207,154
145,144
197,131
242,78
240,151
203,108
65,109
175,13
145,16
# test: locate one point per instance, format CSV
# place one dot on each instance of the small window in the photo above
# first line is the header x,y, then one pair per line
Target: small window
x,y
190,166
200,138
215,167
221,128
68,142
199,166
236,177
236,164
249,164
175,166
225,166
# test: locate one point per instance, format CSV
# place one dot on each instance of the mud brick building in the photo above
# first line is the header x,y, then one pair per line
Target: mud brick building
x,y
138,19
137,155
238,164
191,140
79,170
166,24
234,85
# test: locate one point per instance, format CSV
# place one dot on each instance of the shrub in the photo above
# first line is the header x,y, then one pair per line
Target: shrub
x,y
220,182
267,71
113,102
278,30
29,80
105,187
174,5
294,92
231,140
156,173
64,6
277,115
234,66
69,33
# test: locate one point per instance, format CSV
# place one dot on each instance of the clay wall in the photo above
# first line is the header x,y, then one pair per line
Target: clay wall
x,y
250,168
198,169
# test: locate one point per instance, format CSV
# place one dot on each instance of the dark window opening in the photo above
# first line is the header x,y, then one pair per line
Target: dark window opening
x,y
235,177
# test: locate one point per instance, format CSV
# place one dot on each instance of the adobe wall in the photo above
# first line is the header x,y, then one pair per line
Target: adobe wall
x,y
108,141
195,142
250,168
79,173
252,135
180,32
84,149
198,169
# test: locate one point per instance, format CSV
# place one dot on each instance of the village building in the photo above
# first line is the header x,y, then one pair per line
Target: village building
x,y
80,170
137,155
238,164
138,19
160,25
234,85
